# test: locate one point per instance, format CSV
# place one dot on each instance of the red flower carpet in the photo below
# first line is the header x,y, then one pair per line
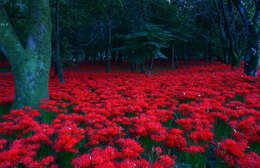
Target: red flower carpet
x,y
195,116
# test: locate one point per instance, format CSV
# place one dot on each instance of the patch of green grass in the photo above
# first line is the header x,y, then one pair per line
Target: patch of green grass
x,y
48,117
45,150
64,159
82,147
222,130
187,160
236,98
255,147
239,98
186,101
5,69
4,110
220,164
21,166
168,124
70,109
129,115
148,144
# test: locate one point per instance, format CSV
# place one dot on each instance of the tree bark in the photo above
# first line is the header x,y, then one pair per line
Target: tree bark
x,y
176,61
185,56
251,58
222,36
108,66
228,31
57,59
142,67
226,55
108,55
173,57
2,56
256,21
31,64
209,48
151,67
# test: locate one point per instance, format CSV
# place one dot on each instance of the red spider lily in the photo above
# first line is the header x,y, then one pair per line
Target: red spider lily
x,y
103,119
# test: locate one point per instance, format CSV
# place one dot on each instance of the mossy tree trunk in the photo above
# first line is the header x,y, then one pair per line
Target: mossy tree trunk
x,y
30,64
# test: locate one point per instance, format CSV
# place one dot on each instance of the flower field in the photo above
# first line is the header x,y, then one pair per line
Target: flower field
x,y
195,116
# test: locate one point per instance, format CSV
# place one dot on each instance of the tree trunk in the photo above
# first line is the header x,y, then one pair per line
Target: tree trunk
x,y
31,83
30,65
251,58
232,59
209,48
185,54
226,55
173,57
136,66
2,56
108,66
258,40
108,55
142,67
176,61
256,20
151,67
57,59
225,51
222,36
235,60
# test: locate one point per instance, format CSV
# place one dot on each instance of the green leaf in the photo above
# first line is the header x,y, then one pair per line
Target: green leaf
x,y
155,44
158,54
121,3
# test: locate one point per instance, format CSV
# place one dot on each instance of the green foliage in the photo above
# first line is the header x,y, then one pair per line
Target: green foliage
x,y
4,109
141,29
145,44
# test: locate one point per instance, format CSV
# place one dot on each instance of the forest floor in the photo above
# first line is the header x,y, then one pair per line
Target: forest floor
x,y
205,115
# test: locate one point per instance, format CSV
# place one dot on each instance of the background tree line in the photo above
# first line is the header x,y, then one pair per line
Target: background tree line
x,y
35,35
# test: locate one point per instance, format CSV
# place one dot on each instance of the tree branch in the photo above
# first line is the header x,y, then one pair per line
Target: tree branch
x,y
9,42
243,14
256,18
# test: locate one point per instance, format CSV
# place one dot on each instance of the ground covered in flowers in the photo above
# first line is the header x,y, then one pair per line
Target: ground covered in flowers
x,y
196,116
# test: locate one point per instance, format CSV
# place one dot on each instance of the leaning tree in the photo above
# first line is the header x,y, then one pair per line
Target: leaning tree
x,y
30,60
